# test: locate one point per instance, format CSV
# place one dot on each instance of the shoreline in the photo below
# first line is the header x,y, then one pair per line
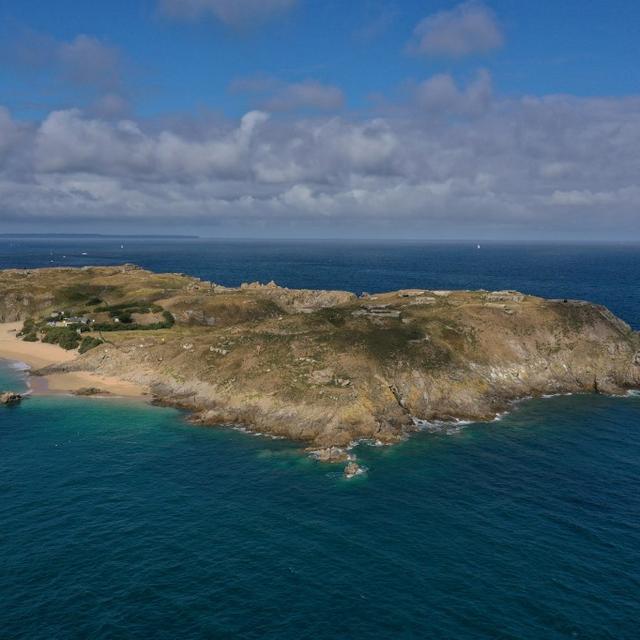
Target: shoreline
x,y
32,356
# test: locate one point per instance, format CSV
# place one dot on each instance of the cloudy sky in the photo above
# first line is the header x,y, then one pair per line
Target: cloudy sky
x,y
501,119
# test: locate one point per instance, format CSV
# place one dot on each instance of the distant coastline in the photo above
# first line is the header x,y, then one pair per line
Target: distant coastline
x,y
143,236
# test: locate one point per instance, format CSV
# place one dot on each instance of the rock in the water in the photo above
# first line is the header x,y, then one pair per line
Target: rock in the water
x,y
9,397
353,469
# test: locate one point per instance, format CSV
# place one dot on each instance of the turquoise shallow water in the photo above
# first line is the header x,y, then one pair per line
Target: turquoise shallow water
x,y
120,520
13,376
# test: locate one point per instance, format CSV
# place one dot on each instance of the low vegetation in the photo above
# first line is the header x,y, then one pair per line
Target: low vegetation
x,y
84,294
87,302
88,343
67,337
29,331
125,323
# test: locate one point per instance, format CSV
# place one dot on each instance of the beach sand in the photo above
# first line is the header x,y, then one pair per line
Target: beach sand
x,y
38,354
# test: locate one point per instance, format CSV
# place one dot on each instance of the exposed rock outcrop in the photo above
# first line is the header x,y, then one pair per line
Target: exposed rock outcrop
x,y
9,398
90,391
353,469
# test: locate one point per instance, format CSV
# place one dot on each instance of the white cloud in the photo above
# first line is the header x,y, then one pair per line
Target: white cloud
x,y
557,169
440,94
453,161
587,198
8,131
85,60
110,105
235,13
84,70
68,142
469,28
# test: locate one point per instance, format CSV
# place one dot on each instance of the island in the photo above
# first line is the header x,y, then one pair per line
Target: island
x,y
327,368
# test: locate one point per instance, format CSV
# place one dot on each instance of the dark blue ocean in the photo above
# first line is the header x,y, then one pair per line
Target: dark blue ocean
x,y
121,520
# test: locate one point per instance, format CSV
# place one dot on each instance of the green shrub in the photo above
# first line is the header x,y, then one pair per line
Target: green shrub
x,y
51,335
167,322
84,293
88,343
130,307
69,341
66,337
30,337
29,326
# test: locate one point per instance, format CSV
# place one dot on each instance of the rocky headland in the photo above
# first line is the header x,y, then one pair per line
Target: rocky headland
x,y
326,368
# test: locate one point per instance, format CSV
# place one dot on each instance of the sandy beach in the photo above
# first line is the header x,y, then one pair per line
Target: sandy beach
x,y
38,354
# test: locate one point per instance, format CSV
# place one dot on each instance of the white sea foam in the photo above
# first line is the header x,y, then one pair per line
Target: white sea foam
x,y
251,432
448,427
370,442
23,368
556,395
17,365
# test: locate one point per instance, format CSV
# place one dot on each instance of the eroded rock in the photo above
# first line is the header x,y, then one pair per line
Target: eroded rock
x,y
9,398
90,391
353,469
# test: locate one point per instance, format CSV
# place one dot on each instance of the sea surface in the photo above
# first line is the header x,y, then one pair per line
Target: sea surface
x,y
121,520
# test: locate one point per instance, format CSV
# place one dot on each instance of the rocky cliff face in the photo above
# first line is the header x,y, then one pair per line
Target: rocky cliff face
x,y
17,300
328,368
